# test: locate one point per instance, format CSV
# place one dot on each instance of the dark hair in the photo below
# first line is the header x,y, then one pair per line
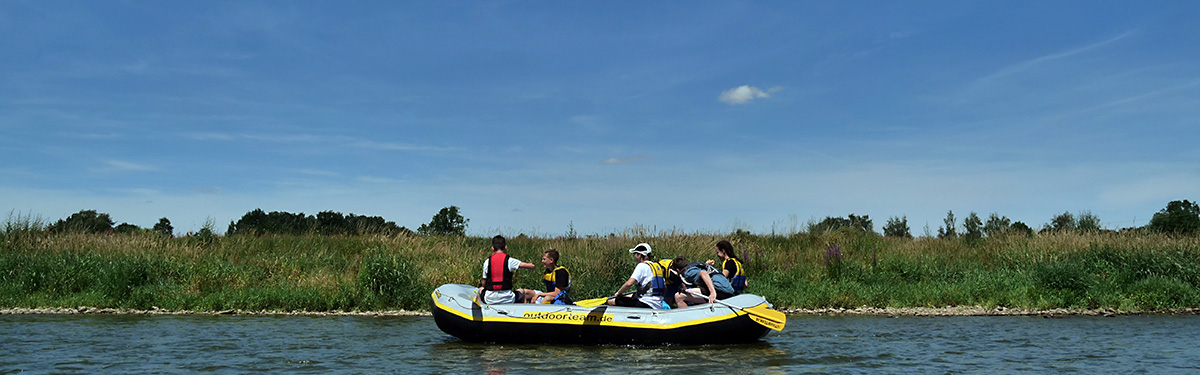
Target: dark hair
x,y
678,263
727,248
553,254
498,242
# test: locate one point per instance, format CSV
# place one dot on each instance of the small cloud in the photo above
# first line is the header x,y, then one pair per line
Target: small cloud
x,y
374,180
206,190
745,93
210,136
125,166
626,160
318,172
397,147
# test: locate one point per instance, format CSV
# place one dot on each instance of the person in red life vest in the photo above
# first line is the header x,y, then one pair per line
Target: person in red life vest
x,y
498,275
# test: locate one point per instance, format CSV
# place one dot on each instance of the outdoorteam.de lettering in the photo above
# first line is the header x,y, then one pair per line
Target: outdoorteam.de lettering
x,y
569,316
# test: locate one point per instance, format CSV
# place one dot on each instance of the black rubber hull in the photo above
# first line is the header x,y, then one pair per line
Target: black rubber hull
x,y
735,330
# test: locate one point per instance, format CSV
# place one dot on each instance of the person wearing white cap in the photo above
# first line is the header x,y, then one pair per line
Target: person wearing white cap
x,y
648,277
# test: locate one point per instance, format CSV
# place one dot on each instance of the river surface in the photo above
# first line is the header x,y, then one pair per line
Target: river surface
x,y
96,344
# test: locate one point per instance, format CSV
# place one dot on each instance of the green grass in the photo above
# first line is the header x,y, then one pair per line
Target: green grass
x,y
1128,272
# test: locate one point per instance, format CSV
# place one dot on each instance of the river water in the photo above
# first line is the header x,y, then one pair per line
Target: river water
x,y
94,344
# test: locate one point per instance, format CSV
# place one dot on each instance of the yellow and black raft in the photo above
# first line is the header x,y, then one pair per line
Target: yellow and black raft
x,y
740,319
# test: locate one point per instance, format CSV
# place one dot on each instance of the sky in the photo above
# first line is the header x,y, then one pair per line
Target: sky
x,y
543,117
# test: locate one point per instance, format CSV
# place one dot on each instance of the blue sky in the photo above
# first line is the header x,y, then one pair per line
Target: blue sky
x,y
536,116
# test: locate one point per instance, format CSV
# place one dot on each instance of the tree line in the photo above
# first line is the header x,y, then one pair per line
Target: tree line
x,y
448,221
1178,217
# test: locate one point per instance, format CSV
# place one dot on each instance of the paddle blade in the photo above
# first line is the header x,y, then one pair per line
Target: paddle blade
x,y
772,319
592,302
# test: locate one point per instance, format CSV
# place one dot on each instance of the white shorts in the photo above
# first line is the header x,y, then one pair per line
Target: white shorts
x,y
495,297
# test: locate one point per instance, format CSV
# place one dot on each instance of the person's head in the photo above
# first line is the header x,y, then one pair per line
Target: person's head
x,y
725,250
678,264
550,258
642,252
498,243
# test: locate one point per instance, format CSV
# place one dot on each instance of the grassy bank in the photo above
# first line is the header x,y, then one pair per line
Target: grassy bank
x,y
830,270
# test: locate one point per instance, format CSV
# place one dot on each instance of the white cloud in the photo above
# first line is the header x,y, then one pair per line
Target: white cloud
x,y
745,93
125,166
625,160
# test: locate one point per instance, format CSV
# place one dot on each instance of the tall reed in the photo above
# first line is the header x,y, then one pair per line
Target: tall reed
x,y
1130,272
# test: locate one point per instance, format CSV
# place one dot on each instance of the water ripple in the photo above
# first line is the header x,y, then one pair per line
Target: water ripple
x,y
321,345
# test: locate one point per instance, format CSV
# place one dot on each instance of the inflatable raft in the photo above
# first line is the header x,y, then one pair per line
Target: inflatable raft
x,y
741,319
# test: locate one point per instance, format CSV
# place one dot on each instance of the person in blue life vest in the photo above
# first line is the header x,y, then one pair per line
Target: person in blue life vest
x,y
649,279
497,286
731,267
557,279
705,284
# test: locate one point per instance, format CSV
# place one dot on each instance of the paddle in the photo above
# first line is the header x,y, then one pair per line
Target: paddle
x,y
760,313
597,301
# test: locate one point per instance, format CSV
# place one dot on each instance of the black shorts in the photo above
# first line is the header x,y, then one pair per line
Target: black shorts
x,y
720,294
627,301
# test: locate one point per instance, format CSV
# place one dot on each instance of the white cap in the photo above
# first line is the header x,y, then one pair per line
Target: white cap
x,y
642,248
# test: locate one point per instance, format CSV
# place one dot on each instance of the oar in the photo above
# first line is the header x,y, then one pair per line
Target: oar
x,y
760,313
597,301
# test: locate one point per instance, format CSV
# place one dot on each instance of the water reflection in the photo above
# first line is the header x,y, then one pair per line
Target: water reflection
x,y
503,359
321,345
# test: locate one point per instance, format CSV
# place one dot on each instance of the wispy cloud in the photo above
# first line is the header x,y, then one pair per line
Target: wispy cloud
x,y
124,166
396,146
626,160
1038,61
746,93
353,142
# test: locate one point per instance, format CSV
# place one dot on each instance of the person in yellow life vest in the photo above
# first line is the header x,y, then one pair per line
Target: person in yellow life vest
x,y
673,280
731,267
649,277
557,280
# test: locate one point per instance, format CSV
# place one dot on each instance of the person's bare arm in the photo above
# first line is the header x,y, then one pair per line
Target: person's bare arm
x,y
712,292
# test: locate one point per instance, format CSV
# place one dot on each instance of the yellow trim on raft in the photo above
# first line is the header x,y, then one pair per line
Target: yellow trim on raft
x,y
584,322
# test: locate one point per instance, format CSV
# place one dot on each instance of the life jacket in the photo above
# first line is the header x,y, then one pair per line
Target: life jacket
x,y
658,282
671,278
549,278
737,274
499,276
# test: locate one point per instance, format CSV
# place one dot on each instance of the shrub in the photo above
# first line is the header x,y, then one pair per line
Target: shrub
x,y
391,281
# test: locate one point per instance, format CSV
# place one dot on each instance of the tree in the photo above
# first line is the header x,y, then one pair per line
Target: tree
x,y
127,228
862,223
950,229
897,227
1063,222
446,222
1020,228
85,221
973,226
1087,222
259,223
164,227
996,225
1179,217
829,224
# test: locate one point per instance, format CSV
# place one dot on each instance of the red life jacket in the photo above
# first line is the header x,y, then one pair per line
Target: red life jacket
x,y
499,277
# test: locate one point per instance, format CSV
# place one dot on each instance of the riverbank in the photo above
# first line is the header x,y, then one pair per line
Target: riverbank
x,y
830,272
